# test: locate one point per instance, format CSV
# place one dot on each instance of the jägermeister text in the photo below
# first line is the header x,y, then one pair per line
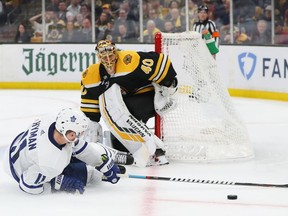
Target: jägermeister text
x,y
39,60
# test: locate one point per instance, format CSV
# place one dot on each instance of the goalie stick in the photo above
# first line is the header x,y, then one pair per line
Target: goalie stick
x,y
199,181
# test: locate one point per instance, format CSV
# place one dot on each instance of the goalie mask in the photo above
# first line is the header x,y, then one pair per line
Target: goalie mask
x,y
71,120
106,53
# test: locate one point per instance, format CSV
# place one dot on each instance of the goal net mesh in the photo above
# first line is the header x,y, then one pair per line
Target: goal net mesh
x,y
205,125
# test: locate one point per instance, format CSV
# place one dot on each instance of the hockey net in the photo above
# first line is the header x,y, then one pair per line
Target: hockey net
x,y
204,126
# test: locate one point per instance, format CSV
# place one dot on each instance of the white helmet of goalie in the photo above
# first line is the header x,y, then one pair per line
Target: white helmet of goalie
x,y
107,54
69,119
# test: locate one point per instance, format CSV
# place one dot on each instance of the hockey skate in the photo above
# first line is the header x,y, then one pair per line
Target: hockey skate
x,y
124,158
158,159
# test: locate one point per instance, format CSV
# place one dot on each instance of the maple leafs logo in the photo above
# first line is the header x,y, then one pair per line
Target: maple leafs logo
x,y
73,119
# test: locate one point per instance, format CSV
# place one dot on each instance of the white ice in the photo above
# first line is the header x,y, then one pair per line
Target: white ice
x,y
267,123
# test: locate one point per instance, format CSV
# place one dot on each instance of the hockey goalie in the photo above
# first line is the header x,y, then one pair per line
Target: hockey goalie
x,y
126,89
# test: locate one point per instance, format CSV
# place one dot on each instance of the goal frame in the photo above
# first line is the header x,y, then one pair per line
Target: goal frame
x,y
234,151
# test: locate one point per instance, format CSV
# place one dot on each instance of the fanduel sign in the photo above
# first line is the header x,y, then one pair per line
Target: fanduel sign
x,y
269,67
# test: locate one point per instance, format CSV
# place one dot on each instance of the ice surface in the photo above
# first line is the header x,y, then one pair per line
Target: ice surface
x,y
267,123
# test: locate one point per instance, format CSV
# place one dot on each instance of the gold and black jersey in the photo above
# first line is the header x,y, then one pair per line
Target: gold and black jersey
x,y
135,71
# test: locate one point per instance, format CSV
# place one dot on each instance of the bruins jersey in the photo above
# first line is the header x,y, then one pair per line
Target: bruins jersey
x,y
135,72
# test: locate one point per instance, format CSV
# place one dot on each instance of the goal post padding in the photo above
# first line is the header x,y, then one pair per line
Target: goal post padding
x,y
205,125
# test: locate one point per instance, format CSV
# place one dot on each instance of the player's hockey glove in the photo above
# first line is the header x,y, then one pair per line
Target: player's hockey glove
x,y
165,98
109,169
67,184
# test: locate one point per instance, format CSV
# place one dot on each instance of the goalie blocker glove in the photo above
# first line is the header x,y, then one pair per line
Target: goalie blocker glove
x,y
67,184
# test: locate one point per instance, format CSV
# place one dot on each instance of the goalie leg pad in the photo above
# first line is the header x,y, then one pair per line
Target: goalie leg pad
x,y
141,156
132,133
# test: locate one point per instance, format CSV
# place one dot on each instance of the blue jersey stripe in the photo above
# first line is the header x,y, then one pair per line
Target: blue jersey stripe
x,y
81,149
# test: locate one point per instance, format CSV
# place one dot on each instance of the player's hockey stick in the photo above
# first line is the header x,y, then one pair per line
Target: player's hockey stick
x,y
199,181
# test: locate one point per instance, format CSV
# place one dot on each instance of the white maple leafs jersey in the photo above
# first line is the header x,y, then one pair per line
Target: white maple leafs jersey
x,y
35,158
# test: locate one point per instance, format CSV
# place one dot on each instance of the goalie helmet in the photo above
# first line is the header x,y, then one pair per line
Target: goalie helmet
x,y
71,120
106,53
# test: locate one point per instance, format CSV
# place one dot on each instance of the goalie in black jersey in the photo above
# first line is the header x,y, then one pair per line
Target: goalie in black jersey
x,y
126,88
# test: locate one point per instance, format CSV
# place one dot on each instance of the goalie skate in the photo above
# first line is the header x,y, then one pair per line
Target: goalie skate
x,y
158,159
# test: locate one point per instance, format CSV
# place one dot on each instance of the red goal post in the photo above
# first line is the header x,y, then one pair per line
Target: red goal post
x,y
158,41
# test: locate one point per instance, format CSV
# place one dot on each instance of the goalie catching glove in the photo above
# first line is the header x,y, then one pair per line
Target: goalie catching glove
x,y
165,97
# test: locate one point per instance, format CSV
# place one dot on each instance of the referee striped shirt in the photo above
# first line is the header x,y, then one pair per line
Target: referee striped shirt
x,y
210,25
